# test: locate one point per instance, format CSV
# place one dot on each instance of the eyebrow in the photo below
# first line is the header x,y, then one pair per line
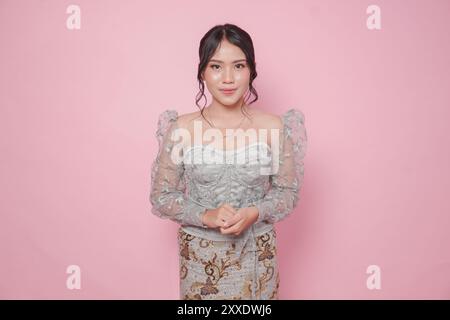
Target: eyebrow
x,y
220,61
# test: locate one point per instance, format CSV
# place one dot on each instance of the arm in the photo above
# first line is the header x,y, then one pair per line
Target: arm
x,y
283,196
167,194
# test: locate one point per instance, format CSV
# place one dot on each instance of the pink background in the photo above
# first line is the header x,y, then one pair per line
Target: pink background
x,y
78,118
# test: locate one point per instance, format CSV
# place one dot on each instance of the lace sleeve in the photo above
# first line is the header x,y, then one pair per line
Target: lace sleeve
x,y
286,182
167,194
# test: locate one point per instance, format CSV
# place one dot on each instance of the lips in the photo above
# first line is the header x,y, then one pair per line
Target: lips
x,y
228,91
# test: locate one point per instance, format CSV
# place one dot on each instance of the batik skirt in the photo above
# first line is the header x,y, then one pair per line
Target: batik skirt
x,y
211,269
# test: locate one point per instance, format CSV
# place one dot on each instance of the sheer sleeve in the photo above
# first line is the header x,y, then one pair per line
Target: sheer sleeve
x,y
167,194
287,180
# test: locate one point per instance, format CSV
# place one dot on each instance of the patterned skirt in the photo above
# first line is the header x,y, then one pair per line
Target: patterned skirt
x,y
215,270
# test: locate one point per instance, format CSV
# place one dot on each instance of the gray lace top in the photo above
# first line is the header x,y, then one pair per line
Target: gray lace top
x,y
183,190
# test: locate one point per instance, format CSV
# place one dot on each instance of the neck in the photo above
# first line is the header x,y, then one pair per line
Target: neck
x,y
228,111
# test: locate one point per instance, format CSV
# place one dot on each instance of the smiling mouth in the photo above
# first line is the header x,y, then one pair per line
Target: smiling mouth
x,y
228,91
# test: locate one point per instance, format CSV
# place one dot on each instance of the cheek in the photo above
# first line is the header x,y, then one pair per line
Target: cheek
x,y
242,76
211,76
214,77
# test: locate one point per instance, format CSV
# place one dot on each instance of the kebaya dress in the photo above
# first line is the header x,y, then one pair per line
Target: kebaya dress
x,y
214,265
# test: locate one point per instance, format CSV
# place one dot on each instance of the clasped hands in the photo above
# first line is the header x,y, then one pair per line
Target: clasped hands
x,y
230,220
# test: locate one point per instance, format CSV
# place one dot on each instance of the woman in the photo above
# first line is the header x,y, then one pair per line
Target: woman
x,y
227,199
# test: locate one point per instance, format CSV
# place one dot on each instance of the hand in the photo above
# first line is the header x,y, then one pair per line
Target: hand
x,y
244,218
218,217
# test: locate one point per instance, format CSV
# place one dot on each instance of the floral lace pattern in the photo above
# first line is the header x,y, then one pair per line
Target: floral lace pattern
x,y
182,192
168,184
283,196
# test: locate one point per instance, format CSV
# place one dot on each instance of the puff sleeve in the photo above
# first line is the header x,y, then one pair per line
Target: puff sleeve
x,y
167,194
287,180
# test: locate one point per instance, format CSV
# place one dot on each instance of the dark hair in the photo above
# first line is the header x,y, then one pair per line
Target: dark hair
x,y
209,44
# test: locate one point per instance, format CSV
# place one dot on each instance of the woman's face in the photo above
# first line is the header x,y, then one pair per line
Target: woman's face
x,y
227,69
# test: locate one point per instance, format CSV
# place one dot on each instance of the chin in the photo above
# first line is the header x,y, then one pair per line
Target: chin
x,y
229,102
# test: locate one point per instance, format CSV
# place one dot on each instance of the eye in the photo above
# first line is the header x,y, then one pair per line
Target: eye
x,y
241,64
214,65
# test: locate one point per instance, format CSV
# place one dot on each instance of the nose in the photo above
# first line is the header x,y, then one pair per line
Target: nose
x,y
228,76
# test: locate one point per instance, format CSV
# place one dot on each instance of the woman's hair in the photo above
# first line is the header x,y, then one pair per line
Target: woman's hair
x,y
209,44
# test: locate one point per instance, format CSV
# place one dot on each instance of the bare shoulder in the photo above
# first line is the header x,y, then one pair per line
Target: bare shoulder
x,y
261,119
267,120
184,120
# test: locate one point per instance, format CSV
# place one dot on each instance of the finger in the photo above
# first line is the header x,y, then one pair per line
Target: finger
x,y
226,215
233,220
233,229
229,208
221,222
